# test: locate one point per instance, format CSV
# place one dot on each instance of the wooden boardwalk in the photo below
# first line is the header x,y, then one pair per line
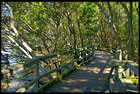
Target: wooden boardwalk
x,y
88,78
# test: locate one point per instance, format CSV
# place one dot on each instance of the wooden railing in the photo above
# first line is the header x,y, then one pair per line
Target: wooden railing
x,y
123,69
87,53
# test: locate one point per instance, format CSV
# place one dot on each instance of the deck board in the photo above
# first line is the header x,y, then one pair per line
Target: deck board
x,y
88,78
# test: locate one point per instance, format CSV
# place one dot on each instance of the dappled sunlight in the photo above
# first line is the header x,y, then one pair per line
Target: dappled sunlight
x,y
76,90
88,78
106,70
99,56
94,70
83,80
75,80
70,81
102,61
68,46
66,88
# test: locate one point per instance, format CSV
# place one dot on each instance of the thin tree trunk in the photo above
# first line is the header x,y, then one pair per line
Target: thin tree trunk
x,y
23,50
45,45
37,67
74,37
129,15
110,23
82,44
131,33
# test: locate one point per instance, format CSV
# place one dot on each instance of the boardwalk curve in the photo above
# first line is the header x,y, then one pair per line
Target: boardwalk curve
x,y
88,78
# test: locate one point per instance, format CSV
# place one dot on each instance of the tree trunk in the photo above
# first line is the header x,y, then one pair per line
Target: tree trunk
x,y
45,45
37,67
129,15
110,23
82,44
131,33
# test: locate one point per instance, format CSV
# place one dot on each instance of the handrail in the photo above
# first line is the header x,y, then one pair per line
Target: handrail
x,y
116,62
45,74
37,60
127,63
133,68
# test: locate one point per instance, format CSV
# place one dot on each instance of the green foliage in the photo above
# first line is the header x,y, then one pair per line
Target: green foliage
x,y
19,61
52,21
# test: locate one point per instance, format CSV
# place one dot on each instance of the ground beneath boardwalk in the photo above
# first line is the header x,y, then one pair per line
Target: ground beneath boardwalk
x,y
88,78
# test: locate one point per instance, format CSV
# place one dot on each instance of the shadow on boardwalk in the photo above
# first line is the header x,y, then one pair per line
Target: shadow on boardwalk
x,y
88,78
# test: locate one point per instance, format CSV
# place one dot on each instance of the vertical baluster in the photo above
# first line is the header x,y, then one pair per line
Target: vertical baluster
x,y
119,57
120,67
36,75
127,72
59,64
86,53
93,51
116,72
73,59
83,56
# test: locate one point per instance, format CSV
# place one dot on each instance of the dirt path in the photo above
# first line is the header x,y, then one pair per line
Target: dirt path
x,y
88,78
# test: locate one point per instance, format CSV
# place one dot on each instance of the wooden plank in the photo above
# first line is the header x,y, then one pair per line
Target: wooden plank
x,y
39,77
39,58
43,70
107,82
134,80
116,72
114,86
118,61
130,86
123,87
134,68
120,71
120,86
45,74
36,75
127,72
31,62
52,82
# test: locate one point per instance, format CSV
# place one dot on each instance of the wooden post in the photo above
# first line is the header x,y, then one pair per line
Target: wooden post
x,y
57,73
116,72
86,53
93,51
59,64
127,72
119,57
73,59
36,75
132,73
120,67
83,56
120,71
